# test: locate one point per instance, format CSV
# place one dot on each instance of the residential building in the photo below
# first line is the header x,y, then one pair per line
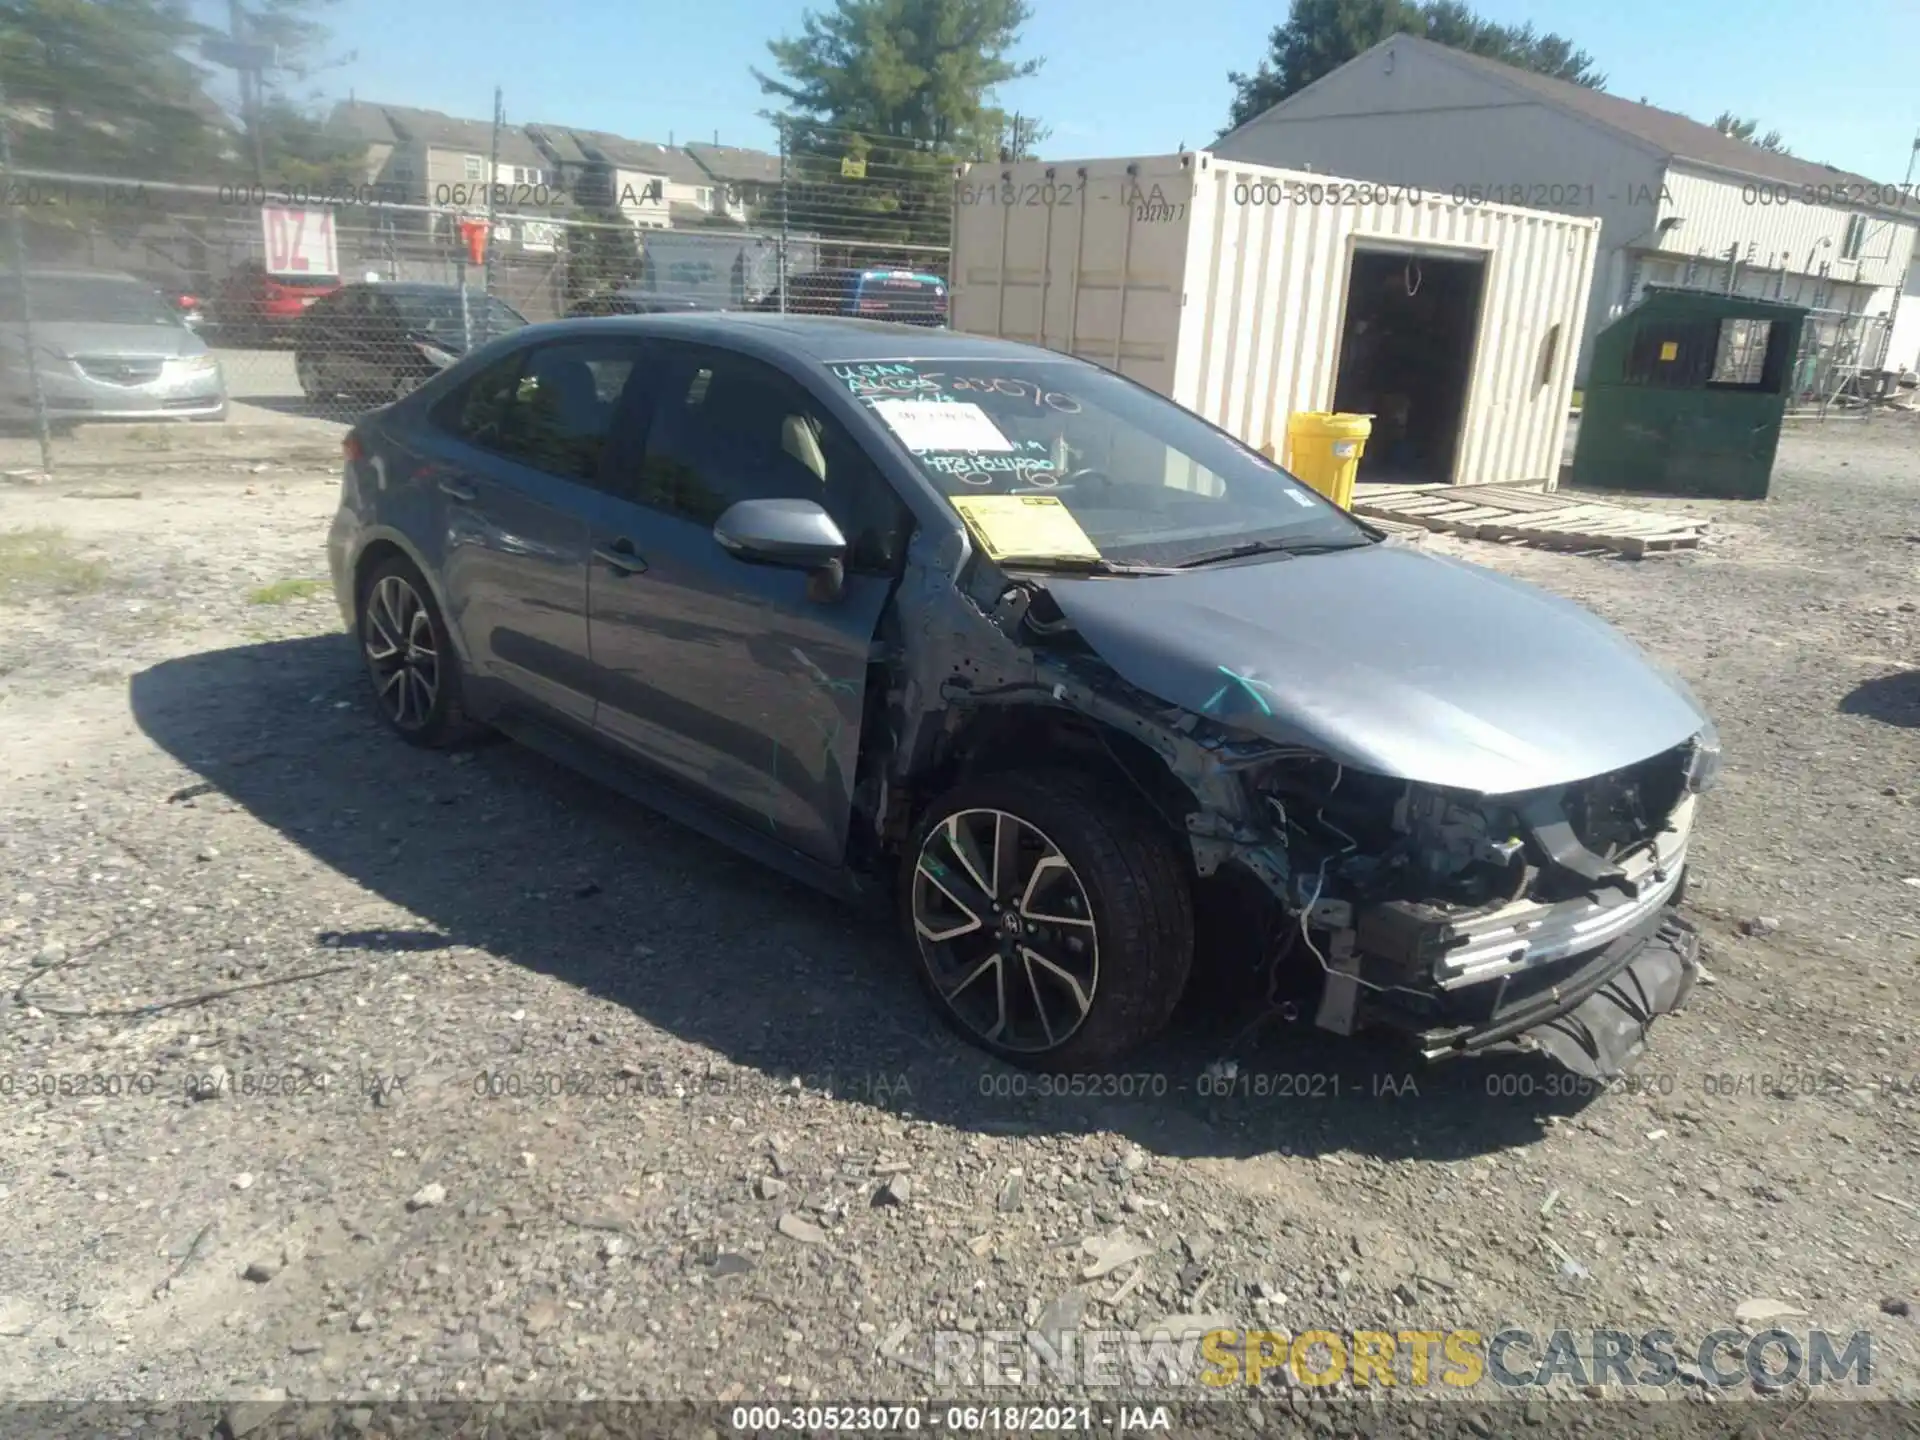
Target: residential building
x,y
657,185
747,179
1680,203
422,157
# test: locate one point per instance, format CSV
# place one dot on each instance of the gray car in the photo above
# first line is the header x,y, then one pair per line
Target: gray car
x,y
1069,673
107,346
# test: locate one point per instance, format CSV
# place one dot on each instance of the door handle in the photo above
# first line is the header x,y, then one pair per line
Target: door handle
x,y
621,556
458,489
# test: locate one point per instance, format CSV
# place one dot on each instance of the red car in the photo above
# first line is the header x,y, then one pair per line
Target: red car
x,y
253,306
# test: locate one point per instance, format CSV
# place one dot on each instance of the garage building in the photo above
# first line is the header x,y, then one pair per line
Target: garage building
x,y
1247,294
1680,203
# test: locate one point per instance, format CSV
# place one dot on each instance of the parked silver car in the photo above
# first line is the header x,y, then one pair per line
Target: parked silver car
x,y
107,347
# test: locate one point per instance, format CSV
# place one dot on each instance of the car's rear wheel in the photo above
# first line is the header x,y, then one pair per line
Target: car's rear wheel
x,y
1053,922
307,371
410,657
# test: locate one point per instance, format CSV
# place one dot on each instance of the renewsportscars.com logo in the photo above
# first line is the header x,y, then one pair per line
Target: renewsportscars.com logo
x,y
1223,1358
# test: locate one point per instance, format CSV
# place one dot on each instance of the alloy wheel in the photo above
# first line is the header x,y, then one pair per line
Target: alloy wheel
x,y
397,636
1006,930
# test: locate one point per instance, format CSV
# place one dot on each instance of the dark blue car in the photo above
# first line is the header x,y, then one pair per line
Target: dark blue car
x,y
1047,657
906,297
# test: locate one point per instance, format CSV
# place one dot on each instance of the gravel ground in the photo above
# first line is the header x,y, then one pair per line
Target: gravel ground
x,y
433,1076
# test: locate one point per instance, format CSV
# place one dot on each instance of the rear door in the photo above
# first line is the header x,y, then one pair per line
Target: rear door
x,y
725,675
517,478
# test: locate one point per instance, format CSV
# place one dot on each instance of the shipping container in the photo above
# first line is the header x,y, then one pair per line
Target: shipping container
x,y
1247,293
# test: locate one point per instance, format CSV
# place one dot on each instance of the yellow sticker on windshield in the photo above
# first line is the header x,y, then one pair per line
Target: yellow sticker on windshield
x,y
1025,527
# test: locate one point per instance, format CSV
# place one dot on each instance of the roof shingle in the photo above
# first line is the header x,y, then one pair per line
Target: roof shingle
x,y
732,164
1675,136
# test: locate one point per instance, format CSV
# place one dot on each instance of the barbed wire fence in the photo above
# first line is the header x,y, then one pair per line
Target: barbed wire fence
x,y
250,267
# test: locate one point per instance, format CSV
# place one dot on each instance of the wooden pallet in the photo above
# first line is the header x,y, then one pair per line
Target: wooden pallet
x,y
1550,521
1404,531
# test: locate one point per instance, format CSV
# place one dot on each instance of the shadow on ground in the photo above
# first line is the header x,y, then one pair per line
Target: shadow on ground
x,y
499,849
343,411
1891,699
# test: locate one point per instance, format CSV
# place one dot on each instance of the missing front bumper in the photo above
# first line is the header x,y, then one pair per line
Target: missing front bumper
x,y
1592,1017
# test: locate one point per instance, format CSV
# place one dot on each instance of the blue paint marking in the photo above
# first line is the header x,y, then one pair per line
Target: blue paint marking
x,y
1248,685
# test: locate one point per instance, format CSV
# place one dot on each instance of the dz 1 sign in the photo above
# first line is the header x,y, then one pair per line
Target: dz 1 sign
x,y
299,242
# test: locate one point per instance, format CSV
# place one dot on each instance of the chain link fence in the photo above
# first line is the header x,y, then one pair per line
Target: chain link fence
x,y
125,298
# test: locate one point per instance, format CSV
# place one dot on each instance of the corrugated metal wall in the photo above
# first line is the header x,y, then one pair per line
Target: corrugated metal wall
x,y
1773,224
1224,287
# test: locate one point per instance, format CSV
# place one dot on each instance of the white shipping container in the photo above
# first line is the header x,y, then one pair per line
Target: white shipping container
x,y
1231,288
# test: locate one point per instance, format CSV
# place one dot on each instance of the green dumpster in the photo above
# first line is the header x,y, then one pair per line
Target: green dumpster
x,y
1686,395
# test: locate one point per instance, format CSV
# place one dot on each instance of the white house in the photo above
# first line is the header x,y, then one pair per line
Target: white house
x,y
1680,203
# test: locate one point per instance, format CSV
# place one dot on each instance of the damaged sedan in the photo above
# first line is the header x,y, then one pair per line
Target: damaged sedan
x,y
1078,681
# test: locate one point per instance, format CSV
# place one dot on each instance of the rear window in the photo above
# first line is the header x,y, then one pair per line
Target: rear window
x,y
902,294
305,282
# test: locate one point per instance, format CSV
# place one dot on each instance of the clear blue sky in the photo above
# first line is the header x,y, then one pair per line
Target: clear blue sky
x,y
1120,76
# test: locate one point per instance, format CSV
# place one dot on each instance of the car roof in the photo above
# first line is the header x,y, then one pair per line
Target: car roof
x,y
870,270
113,275
405,287
821,338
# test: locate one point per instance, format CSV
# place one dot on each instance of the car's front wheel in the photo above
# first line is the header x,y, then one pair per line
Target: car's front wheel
x,y
1053,920
306,370
410,657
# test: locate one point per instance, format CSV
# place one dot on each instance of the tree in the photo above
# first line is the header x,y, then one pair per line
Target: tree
x,y
1020,138
101,87
112,88
294,146
1320,36
1735,128
882,98
602,251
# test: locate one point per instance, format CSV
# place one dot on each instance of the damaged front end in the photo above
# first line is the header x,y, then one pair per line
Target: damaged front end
x,y
1541,914
1467,921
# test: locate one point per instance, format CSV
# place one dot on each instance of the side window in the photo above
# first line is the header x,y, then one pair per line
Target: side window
x,y
727,428
551,408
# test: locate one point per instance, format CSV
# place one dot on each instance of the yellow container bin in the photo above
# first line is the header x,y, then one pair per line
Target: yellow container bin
x,y
1324,449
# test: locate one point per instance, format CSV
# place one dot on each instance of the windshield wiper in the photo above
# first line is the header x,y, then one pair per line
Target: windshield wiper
x,y
1081,565
1273,547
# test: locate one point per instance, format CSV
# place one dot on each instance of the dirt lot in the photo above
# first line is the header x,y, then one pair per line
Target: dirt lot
x,y
767,1173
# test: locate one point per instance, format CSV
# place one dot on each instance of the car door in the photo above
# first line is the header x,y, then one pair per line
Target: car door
x,y
379,344
515,473
727,675
317,336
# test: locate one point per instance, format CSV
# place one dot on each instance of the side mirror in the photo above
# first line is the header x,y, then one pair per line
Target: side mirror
x,y
793,534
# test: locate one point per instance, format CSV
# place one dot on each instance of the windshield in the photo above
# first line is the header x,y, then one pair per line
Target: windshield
x,y
1138,478
87,300
437,314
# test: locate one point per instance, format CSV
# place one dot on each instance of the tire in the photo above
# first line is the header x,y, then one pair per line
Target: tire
x,y
306,371
397,605
1121,871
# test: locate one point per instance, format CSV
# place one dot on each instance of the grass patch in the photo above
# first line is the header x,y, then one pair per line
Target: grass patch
x,y
42,561
282,591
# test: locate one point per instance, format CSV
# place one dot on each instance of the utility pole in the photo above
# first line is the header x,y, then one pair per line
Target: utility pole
x,y
19,238
1899,285
249,60
784,148
249,89
493,209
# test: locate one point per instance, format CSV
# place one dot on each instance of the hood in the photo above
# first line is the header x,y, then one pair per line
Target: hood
x,y
67,338
1394,662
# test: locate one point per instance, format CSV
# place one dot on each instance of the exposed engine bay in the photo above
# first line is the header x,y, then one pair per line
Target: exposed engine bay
x,y
1463,919
1451,915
